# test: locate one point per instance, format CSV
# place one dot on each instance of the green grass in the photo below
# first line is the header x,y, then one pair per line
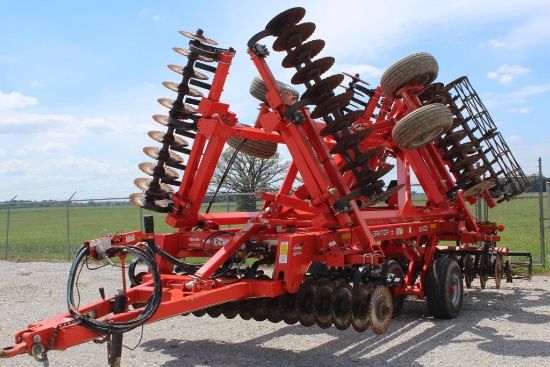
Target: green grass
x,y
41,233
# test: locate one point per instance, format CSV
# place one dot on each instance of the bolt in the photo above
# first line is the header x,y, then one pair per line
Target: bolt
x,y
332,191
36,339
188,206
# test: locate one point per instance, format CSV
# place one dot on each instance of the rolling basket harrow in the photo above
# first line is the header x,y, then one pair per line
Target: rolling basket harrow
x,y
345,247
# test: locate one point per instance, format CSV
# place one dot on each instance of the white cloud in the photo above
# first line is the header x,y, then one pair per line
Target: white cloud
x,y
47,147
513,69
534,89
15,100
20,153
15,166
2,153
496,43
506,78
524,110
7,59
506,73
147,11
36,84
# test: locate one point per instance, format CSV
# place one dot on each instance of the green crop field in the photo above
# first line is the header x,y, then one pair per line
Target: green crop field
x,y
41,233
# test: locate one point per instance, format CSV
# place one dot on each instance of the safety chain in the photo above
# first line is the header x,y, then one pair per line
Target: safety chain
x,y
42,356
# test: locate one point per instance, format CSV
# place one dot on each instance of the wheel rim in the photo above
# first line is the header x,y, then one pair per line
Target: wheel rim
x,y
455,289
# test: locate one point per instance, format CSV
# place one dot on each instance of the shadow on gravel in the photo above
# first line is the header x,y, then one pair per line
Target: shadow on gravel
x,y
411,337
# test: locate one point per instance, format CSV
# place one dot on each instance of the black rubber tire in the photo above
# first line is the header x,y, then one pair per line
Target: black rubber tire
x,y
254,148
258,89
420,67
444,288
422,126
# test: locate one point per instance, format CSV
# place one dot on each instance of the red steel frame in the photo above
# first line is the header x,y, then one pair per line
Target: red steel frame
x,y
300,228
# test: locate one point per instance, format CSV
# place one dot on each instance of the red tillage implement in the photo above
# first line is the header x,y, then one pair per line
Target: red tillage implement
x,y
345,247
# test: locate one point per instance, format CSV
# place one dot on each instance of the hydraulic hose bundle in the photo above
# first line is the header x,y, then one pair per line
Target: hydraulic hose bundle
x,y
147,257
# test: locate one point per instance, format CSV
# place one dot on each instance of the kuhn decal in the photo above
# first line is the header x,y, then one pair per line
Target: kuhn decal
x,y
297,249
194,241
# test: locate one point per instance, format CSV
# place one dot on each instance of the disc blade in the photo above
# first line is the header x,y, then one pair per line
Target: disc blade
x,y
141,200
199,36
168,157
164,173
174,141
294,36
312,70
174,123
192,92
285,19
303,53
153,187
169,103
190,74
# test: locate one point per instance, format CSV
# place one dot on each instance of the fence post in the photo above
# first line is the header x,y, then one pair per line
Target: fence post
x,y
548,210
8,228
541,216
141,219
69,230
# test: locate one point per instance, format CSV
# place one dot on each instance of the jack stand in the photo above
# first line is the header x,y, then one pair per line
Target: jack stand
x,y
114,349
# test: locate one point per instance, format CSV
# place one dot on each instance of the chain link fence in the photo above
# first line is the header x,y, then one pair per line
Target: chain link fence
x,y
54,230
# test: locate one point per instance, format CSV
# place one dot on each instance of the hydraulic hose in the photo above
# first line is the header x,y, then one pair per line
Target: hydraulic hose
x,y
148,257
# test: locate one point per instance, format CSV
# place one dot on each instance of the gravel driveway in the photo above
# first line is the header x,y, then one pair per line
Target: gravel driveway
x,y
506,327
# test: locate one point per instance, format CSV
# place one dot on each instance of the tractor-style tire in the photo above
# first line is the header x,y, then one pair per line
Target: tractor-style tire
x,y
420,67
254,148
258,89
444,288
422,126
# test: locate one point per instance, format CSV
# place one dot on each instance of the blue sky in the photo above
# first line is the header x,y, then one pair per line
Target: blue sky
x,y
79,80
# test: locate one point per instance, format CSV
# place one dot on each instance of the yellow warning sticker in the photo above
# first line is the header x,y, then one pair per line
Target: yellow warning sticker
x,y
283,252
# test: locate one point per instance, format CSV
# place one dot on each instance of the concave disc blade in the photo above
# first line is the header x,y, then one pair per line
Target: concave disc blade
x,y
141,200
174,141
164,173
303,53
199,36
285,19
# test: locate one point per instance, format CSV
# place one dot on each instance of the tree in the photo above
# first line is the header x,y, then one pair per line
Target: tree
x,y
249,174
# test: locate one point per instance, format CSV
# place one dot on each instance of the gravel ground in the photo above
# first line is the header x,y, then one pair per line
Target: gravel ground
x,y
506,327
